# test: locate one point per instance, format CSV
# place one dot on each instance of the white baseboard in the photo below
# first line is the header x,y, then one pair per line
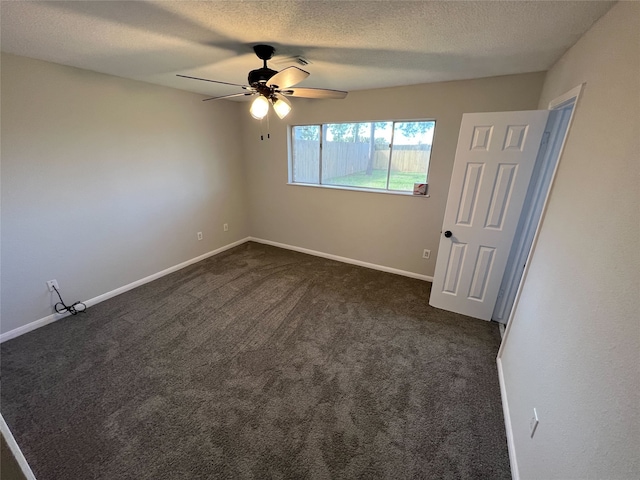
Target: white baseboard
x,y
351,261
515,474
15,450
16,332
105,296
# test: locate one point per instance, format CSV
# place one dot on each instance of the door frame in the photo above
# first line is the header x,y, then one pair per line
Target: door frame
x,y
542,196
544,173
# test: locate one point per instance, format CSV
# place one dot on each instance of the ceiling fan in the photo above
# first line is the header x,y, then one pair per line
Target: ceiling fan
x,y
272,87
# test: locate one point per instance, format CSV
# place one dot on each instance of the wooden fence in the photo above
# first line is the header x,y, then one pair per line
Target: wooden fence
x,y
345,158
410,161
306,161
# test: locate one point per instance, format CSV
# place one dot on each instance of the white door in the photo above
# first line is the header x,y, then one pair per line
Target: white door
x,y
493,165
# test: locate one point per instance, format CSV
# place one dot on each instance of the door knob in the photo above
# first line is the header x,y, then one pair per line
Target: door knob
x,y
448,233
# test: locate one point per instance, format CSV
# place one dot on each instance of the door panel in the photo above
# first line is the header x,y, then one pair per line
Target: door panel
x,y
501,196
494,161
481,273
469,194
454,267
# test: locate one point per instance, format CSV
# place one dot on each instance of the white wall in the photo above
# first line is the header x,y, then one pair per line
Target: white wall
x,y
383,229
106,181
573,347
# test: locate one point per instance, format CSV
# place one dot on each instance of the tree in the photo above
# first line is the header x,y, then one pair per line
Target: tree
x,y
308,132
342,132
372,143
372,148
413,129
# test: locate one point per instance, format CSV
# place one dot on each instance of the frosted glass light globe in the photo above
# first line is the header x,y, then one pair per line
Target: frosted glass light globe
x,y
259,108
282,107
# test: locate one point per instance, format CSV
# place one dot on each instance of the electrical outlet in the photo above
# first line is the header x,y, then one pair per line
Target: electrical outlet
x,y
199,235
533,423
225,227
51,284
426,253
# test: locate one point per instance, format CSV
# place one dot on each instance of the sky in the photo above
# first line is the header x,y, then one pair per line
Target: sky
x,y
399,137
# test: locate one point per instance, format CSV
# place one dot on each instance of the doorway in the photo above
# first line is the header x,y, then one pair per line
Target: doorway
x,y
560,115
503,172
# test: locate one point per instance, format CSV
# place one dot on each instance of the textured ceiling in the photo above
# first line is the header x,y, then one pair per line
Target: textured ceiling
x,y
352,45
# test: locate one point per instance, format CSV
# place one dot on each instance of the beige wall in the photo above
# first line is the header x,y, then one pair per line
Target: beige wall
x,y
106,181
573,348
107,175
383,229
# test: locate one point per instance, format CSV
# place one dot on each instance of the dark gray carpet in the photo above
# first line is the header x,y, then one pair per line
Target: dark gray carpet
x,y
260,363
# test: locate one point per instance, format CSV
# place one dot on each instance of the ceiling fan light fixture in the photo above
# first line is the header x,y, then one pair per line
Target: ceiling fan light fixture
x,y
259,107
282,107
270,86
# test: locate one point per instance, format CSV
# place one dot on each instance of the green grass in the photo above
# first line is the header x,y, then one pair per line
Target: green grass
x,y
378,179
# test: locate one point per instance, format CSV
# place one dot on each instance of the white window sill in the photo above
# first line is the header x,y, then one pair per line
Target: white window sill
x,y
357,189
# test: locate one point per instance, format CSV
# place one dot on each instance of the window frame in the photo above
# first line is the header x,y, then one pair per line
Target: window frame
x,y
387,191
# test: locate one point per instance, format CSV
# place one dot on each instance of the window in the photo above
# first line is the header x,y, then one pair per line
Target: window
x,y
388,156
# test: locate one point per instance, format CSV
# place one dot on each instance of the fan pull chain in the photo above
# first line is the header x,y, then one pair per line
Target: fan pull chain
x,y
262,128
268,127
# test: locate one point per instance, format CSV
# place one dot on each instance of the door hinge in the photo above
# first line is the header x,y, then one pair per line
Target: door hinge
x,y
545,138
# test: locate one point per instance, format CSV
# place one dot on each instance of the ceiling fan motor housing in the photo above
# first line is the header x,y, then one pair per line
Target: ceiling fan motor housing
x,y
261,75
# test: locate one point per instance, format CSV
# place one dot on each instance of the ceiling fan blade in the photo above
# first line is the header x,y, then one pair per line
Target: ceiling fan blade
x,y
213,81
287,77
314,93
246,94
